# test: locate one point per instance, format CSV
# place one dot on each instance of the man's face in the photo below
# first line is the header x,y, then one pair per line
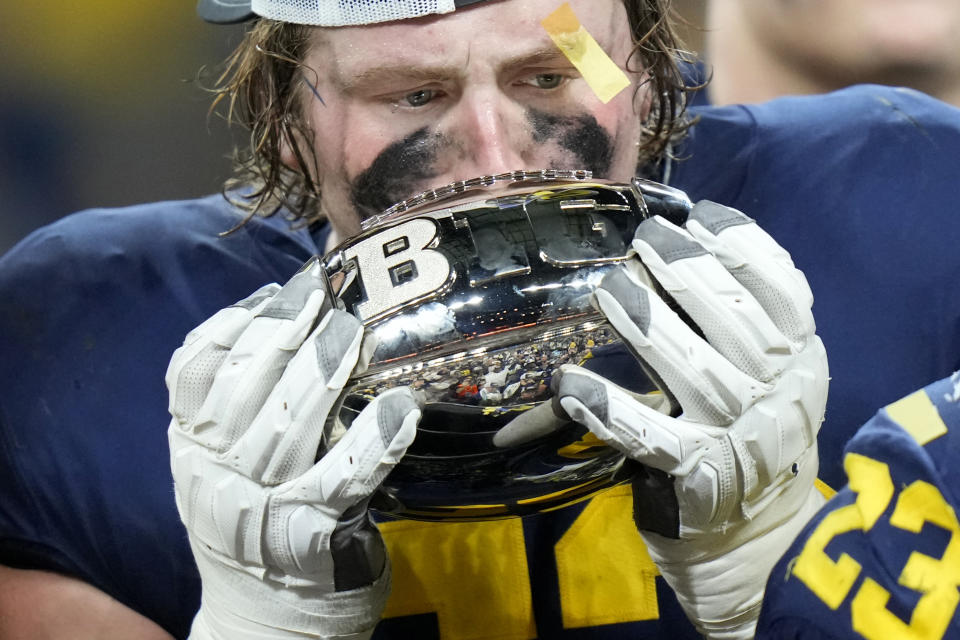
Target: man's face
x,y
405,106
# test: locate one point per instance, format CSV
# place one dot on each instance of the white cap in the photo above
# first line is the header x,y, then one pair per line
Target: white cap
x,y
326,13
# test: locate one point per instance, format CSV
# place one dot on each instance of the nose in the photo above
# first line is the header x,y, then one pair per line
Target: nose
x,y
489,133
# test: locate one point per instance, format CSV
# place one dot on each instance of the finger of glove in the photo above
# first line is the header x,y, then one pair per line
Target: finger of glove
x,y
729,316
283,440
641,432
700,456
193,366
353,468
761,265
709,388
549,417
534,423
258,359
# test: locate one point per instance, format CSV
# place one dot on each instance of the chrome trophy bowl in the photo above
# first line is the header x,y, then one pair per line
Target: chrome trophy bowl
x,y
475,293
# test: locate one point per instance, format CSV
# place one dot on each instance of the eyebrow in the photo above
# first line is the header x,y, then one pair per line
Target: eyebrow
x,y
392,73
375,76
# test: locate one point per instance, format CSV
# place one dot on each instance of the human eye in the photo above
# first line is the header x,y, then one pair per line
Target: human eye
x,y
424,98
419,98
545,81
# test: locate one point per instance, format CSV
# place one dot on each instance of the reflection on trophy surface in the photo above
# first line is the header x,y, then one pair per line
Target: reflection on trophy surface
x,y
474,294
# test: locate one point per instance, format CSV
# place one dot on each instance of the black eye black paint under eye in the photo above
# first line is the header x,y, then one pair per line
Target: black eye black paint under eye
x,y
394,171
582,135
407,162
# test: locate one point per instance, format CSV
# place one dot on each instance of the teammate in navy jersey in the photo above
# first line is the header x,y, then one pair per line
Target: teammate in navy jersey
x,y
854,184
880,560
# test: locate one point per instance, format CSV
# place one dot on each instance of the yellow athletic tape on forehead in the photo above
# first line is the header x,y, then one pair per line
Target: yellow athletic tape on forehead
x,y
602,74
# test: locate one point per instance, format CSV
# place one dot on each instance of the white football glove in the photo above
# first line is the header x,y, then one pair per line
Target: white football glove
x,y
284,544
742,453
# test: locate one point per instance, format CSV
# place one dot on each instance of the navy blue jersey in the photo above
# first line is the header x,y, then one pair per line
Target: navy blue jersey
x,y
882,559
857,185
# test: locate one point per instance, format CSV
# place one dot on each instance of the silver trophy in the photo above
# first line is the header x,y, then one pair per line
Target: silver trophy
x,y
475,293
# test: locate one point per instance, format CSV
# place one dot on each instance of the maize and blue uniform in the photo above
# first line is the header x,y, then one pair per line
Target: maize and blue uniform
x,y
882,559
857,185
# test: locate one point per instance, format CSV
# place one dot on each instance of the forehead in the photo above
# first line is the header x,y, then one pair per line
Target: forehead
x,y
491,33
